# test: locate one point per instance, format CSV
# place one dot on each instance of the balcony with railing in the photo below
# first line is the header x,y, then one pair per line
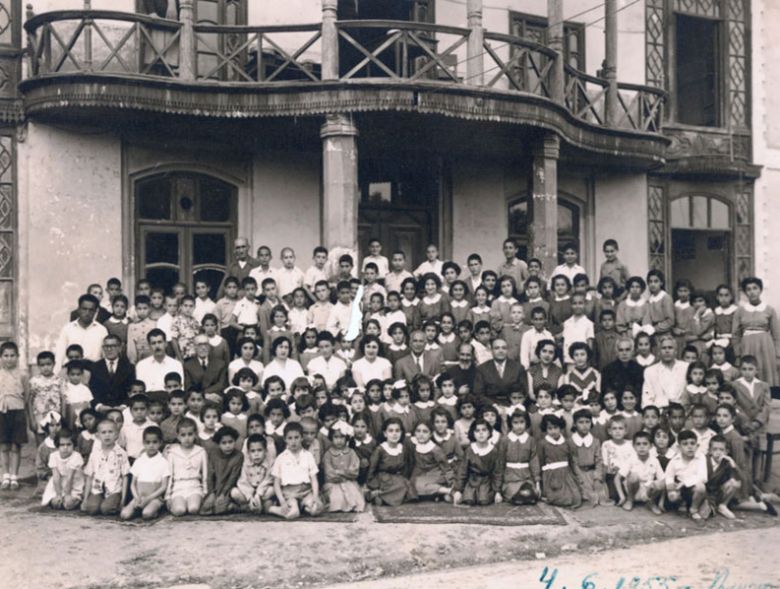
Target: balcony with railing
x,y
82,58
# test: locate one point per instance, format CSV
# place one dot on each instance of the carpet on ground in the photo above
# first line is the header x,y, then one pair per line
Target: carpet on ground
x,y
502,514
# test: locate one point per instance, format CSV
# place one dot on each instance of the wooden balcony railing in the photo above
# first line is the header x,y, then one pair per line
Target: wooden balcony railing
x,y
102,42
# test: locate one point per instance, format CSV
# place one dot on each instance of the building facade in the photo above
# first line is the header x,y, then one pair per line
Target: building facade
x,y
140,137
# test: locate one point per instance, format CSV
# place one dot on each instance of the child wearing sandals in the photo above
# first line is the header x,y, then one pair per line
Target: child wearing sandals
x,y
151,474
618,454
686,476
431,472
341,466
645,481
65,488
480,477
295,478
189,471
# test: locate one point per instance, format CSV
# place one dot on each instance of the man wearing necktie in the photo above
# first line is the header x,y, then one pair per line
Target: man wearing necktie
x,y
418,361
207,373
111,377
498,377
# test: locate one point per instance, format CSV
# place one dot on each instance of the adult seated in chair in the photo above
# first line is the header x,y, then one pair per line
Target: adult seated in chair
x,y
418,361
111,377
204,372
497,378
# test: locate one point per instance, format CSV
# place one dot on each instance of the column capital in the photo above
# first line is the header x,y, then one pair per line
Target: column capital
x,y
548,147
330,6
338,126
474,9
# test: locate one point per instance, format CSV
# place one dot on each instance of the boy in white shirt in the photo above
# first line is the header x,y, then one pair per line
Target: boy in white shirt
x,y
166,321
341,313
686,475
246,310
316,272
645,482
264,270
570,268
375,256
320,310
533,336
203,303
577,328
431,264
133,430
396,276
151,473
295,478
289,276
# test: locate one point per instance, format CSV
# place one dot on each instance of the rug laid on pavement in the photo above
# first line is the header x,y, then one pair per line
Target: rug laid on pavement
x,y
503,514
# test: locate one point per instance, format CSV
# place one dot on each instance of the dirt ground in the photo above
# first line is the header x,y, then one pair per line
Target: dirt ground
x,y
41,550
74,551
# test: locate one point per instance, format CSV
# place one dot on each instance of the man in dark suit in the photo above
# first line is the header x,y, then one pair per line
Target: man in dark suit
x,y
111,377
500,376
205,372
418,361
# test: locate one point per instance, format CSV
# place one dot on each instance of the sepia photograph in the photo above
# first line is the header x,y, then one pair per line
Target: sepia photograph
x,y
379,294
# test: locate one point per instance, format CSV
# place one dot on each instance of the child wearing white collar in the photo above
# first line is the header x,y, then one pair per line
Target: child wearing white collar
x,y
480,478
557,460
445,437
521,484
587,450
432,473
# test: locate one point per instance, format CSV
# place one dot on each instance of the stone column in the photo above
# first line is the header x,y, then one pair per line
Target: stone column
x,y
475,64
330,40
544,201
610,62
340,186
188,62
555,42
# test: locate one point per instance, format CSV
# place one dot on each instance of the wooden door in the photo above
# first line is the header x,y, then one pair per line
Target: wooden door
x,y
407,230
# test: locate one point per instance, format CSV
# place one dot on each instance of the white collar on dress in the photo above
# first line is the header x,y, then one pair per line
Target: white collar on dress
x,y
582,441
522,438
459,304
557,442
727,430
432,300
444,438
393,451
727,311
503,299
425,404
657,297
397,348
754,308
723,367
536,300
447,339
407,303
367,440
482,451
682,306
431,346
558,299
632,303
424,448
398,408
449,401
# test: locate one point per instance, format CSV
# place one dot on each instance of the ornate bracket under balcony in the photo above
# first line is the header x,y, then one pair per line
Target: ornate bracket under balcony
x,y
105,59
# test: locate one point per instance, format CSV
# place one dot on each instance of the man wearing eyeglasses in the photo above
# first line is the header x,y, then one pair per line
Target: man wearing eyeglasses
x,y
111,377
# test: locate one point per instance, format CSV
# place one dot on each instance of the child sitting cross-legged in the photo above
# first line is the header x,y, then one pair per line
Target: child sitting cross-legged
x,y
106,472
151,474
295,478
254,489
224,468
65,488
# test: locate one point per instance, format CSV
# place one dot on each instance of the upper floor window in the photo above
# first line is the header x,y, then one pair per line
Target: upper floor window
x,y
698,70
534,28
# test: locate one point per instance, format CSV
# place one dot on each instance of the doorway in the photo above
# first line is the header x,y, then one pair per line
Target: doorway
x,y
399,205
184,228
701,241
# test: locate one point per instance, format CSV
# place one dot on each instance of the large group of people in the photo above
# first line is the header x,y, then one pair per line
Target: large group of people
x,y
294,392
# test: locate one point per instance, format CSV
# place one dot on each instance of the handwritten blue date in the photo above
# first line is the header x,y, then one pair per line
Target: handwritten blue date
x,y
550,579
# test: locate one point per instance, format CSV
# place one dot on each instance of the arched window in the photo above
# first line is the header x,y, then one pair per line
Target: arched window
x,y
185,223
520,218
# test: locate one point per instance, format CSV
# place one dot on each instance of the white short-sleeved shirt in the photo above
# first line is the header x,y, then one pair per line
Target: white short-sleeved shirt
x,y
294,469
107,469
133,434
332,370
203,308
648,470
150,470
246,312
288,280
381,262
313,275
254,365
152,372
77,393
74,462
621,456
687,472
576,329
